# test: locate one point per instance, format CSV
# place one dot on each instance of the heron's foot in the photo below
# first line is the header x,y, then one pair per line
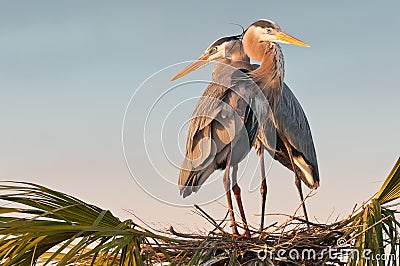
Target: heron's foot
x,y
308,224
246,233
235,232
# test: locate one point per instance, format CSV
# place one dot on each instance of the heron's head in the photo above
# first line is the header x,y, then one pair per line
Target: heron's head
x,y
264,32
221,48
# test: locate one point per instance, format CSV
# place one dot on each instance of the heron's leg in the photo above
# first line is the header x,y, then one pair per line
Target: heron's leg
x,y
263,188
236,192
299,188
298,183
227,186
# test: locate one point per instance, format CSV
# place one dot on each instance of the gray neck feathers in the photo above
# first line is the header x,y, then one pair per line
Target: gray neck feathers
x,y
269,76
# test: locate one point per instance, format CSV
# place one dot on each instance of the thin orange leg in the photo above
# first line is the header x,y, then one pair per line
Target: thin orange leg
x,y
236,192
263,189
227,186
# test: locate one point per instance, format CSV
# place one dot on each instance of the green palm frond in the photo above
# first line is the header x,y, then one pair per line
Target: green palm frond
x,y
376,227
390,189
42,226
52,225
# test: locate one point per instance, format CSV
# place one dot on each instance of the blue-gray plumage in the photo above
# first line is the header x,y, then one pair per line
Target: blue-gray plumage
x,y
284,132
297,130
294,144
224,123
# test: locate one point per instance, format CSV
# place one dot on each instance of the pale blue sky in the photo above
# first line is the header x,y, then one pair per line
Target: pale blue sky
x,y
69,68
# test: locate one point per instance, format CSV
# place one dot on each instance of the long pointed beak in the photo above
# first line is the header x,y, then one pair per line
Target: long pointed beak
x,y
286,38
198,63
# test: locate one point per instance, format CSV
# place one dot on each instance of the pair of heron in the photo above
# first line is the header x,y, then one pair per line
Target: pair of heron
x,y
247,105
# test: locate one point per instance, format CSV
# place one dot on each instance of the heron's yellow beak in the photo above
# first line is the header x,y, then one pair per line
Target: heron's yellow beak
x,y
286,38
198,63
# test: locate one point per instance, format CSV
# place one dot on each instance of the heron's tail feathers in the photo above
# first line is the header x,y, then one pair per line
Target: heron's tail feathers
x,y
307,173
190,180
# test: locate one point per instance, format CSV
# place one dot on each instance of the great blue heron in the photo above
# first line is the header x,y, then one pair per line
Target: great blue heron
x,y
293,146
224,123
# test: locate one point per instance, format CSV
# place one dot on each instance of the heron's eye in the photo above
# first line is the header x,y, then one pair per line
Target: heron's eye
x,y
269,30
213,50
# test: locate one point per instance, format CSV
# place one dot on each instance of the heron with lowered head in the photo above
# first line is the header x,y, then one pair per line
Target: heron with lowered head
x,y
224,123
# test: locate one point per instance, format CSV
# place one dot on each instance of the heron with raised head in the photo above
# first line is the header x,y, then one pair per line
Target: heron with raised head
x,y
294,143
224,123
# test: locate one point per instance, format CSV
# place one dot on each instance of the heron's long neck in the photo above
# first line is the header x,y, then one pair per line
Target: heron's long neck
x,y
238,58
239,55
269,76
224,68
